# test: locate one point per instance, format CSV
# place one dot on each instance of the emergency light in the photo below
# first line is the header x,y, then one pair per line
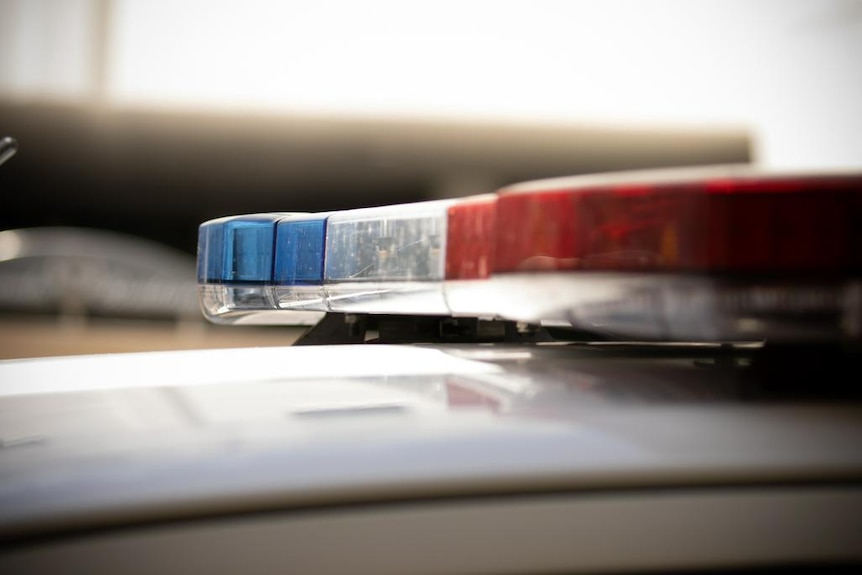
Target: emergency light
x,y
721,254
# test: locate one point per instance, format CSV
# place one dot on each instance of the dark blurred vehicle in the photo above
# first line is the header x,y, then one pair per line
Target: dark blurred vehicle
x,y
95,272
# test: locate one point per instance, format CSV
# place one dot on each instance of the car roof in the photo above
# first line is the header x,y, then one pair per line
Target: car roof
x,y
96,441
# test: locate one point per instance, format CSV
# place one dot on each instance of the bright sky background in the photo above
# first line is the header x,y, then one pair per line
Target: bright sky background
x,y
788,69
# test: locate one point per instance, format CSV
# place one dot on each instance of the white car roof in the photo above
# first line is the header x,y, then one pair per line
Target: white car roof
x,y
99,440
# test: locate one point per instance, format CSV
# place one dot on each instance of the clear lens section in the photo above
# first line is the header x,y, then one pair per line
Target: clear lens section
x,y
682,307
220,301
419,298
393,243
387,260
473,298
248,305
297,297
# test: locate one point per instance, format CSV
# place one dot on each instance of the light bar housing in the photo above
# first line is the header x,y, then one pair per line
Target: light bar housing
x,y
717,254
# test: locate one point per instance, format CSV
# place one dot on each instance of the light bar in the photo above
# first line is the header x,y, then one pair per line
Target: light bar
x,y
704,255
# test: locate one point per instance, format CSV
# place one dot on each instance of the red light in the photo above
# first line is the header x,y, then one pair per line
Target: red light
x,y
735,225
470,238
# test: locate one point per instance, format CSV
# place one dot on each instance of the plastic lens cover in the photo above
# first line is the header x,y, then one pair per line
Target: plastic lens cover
x,y
299,250
393,243
298,268
738,222
470,238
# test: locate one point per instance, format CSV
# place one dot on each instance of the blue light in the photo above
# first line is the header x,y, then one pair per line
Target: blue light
x,y
299,251
210,251
237,249
248,247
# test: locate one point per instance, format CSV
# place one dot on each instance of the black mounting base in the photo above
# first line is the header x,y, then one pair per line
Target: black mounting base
x,y
340,328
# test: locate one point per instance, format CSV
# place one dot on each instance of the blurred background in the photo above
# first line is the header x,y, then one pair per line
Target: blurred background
x,y
139,119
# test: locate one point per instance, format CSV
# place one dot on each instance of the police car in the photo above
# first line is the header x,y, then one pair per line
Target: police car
x,y
638,372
